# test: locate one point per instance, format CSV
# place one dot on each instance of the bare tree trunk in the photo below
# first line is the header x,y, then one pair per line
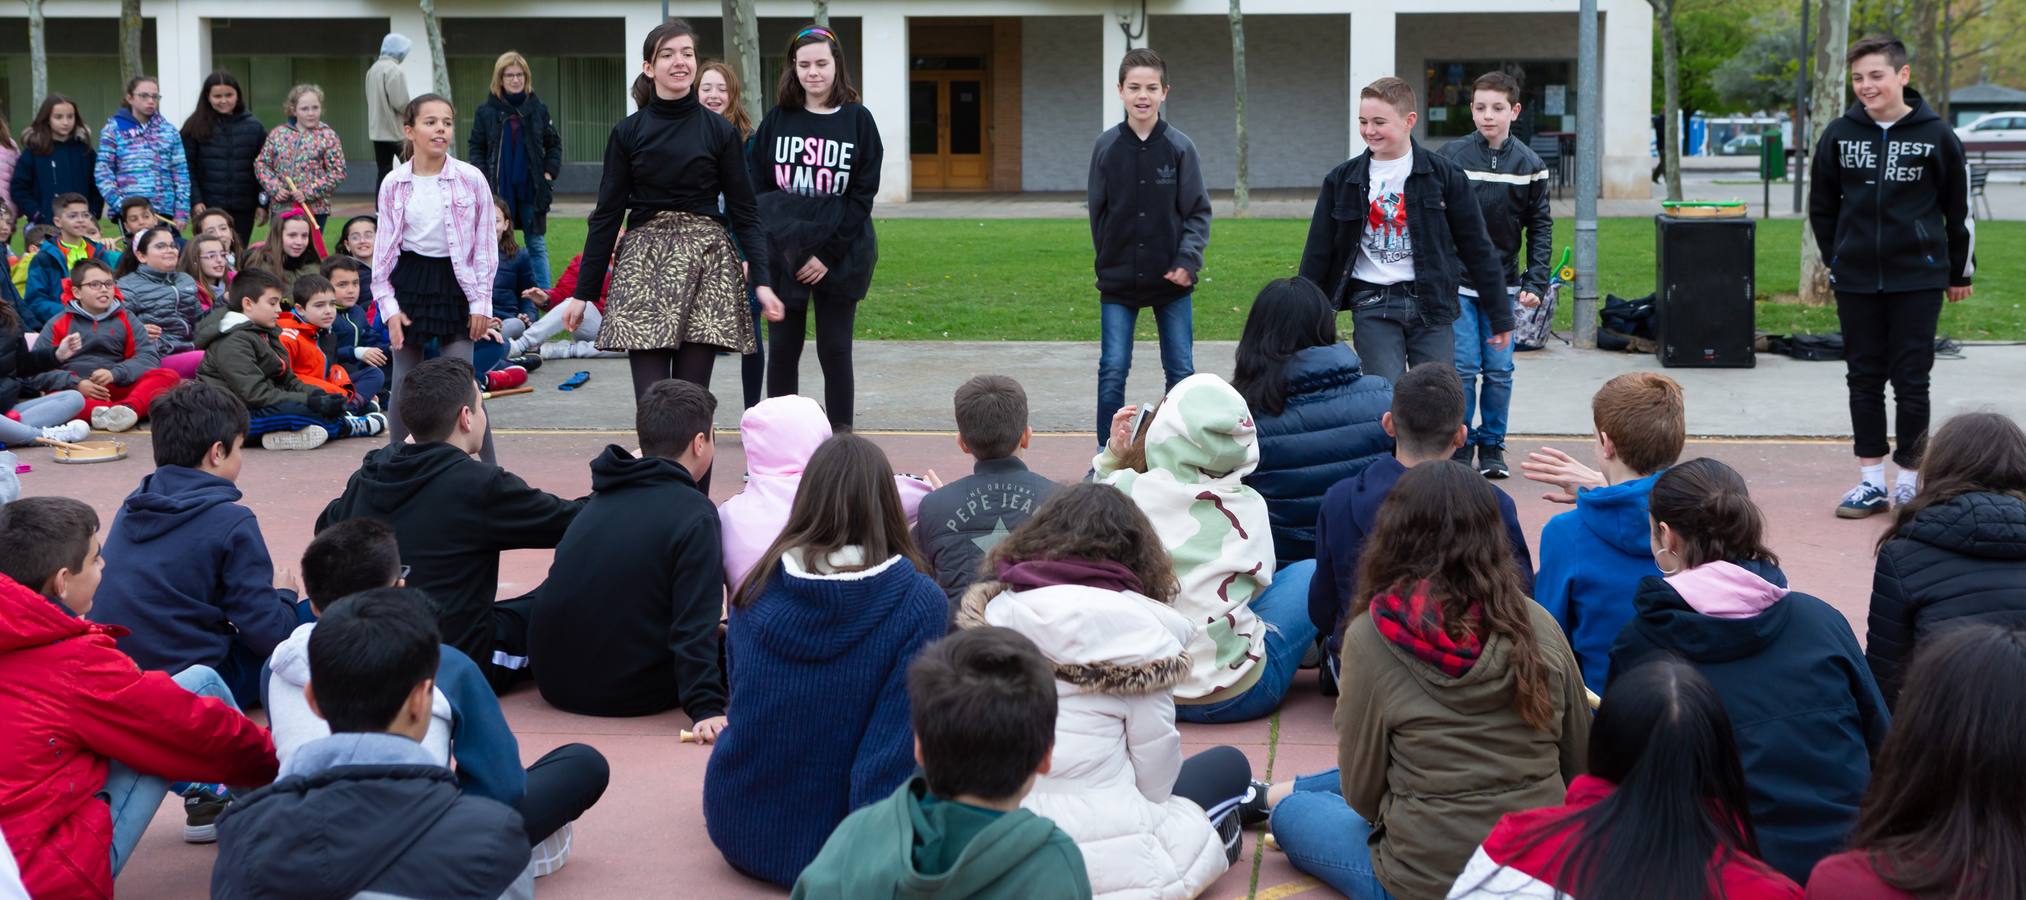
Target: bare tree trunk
x,y
822,17
130,42
1927,51
1670,78
1832,35
1941,103
742,51
1241,190
38,55
439,65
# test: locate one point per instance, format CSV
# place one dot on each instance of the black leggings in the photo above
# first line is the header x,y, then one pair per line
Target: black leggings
x,y
689,362
561,786
833,351
1214,777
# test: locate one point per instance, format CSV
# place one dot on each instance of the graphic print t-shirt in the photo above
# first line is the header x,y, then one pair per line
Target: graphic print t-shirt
x,y
814,154
1385,249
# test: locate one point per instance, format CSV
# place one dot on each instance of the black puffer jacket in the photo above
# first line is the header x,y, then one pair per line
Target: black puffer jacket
x,y
1958,562
221,169
17,362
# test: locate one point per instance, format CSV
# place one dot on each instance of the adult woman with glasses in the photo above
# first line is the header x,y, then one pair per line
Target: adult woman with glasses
x,y
514,142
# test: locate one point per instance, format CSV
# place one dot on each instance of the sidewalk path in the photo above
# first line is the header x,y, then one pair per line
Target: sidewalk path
x,y
907,386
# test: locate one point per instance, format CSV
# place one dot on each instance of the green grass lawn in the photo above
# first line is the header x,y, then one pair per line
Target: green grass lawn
x,y
1030,279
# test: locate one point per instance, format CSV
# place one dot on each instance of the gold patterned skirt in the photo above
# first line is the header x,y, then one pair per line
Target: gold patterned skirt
x,y
676,280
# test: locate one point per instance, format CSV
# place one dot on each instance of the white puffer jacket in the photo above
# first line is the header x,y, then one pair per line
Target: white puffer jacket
x,y
1118,656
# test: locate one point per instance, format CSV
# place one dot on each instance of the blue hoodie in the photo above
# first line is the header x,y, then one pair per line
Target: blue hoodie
x,y
1591,561
1350,510
188,573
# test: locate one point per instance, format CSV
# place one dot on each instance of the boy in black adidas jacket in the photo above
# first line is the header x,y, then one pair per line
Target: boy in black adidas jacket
x,y
1890,207
1149,221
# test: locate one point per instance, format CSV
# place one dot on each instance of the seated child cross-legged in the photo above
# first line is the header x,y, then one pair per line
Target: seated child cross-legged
x,y
466,725
91,740
626,624
1089,583
368,810
117,367
961,521
1186,470
307,333
1593,557
360,339
454,515
243,353
839,600
983,707
1426,424
189,577
1461,701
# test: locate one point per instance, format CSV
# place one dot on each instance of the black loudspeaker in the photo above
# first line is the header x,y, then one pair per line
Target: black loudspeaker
x,y
1702,311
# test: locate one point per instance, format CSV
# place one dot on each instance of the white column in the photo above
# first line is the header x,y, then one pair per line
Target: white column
x,y
1108,69
182,56
1626,35
884,89
1374,35
641,18
405,19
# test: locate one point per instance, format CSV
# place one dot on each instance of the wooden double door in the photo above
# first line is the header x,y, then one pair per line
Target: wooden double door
x,y
948,113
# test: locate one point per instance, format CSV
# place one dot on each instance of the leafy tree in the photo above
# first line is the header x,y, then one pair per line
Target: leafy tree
x,y
1761,76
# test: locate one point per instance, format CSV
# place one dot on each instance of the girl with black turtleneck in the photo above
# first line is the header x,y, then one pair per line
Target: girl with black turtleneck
x,y
677,296
222,140
514,142
816,162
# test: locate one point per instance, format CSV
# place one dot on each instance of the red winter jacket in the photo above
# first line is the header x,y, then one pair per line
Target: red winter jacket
x,y
566,285
70,702
1514,862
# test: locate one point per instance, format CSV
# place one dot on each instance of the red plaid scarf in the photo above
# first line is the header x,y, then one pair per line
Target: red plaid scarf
x,y
1415,623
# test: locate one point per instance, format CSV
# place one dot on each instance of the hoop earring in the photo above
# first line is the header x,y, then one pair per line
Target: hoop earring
x,y
1665,571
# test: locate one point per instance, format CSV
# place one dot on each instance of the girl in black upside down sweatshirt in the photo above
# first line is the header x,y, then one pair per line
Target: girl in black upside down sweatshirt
x,y
677,295
816,160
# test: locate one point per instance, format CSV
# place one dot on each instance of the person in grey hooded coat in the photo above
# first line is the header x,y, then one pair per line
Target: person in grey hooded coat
x,y
386,101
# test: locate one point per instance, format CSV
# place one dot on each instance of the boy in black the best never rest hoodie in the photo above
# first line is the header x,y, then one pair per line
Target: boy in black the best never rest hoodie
x,y
1890,208
453,515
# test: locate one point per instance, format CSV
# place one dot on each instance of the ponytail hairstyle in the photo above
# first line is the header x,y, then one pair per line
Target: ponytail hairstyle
x,y
508,247
1441,526
202,125
40,138
856,505
643,84
409,114
1095,523
1945,815
790,94
1706,504
1979,452
1678,809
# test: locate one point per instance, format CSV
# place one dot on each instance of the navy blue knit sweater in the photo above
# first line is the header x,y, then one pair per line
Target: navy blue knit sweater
x,y
817,671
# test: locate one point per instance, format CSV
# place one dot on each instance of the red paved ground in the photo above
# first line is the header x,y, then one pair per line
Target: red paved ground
x,y
646,837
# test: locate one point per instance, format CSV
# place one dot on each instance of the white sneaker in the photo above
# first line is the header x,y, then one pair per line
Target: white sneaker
x,y
114,418
1903,493
549,856
517,346
69,432
306,439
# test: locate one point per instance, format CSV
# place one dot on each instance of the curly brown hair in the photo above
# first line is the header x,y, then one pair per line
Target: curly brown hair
x,y
1441,525
1094,522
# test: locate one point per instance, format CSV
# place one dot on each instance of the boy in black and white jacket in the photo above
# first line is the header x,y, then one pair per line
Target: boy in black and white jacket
x,y
1890,209
1149,222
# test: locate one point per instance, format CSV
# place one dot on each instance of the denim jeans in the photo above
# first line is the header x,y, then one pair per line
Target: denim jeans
x,y
134,797
1283,608
1323,836
37,413
538,256
1390,333
1174,321
1474,356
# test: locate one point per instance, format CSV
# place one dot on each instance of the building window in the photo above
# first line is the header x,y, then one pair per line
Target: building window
x,y
1547,96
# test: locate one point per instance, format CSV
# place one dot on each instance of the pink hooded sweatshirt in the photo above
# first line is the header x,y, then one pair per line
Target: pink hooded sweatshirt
x,y
779,435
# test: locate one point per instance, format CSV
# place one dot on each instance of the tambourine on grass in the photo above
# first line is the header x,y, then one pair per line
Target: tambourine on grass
x,y
85,452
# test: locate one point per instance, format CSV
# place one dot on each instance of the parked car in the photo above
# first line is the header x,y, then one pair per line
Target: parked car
x,y
1995,131
1746,144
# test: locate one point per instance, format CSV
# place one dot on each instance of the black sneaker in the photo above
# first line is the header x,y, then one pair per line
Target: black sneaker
x,y
1326,675
1253,809
1462,454
528,361
1232,833
1491,462
202,805
1864,500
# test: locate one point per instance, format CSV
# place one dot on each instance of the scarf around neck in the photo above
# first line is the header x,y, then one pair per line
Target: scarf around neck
x,y
1415,624
1039,573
